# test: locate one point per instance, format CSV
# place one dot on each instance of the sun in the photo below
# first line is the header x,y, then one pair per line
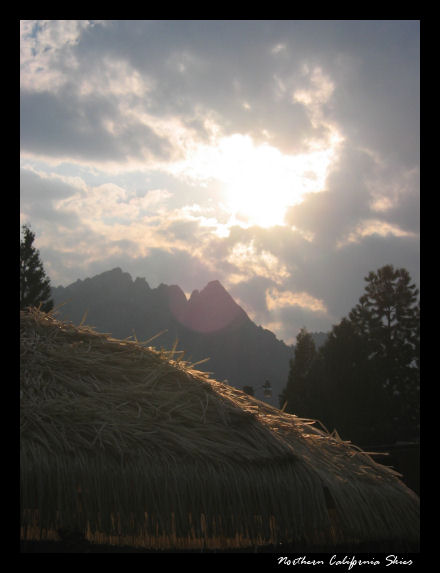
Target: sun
x,y
260,182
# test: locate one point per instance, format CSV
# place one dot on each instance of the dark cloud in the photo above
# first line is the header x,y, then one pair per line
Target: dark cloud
x,y
253,294
66,127
295,317
38,197
344,203
36,188
336,275
404,200
376,68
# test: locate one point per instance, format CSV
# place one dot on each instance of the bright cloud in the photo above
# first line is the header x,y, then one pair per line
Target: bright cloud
x,y
259,182
112,201
277,299
249,261
374,227
318,92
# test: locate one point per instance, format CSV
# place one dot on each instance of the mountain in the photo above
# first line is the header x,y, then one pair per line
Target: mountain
x,y
210,324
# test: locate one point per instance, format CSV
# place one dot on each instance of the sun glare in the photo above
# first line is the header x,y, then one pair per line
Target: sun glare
x,y
263,182
259,182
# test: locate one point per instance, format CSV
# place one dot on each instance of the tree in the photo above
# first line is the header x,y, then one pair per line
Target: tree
x,y
343,382
34,284
365,380
296,394
388,318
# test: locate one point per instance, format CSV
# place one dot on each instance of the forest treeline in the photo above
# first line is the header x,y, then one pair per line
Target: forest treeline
x,y
364,382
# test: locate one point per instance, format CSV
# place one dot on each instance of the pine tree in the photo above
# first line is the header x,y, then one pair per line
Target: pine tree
x,y
388,318
347,395
364,381
34,284
296,393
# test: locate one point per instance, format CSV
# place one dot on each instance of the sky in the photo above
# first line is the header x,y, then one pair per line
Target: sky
x,y
278,157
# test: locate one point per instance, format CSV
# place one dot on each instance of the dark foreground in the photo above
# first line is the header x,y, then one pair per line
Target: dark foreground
x,y
84,546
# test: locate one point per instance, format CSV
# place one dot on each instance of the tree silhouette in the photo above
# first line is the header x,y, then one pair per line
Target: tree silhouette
x,y
365,380
296,395
346,390
34,284
388,318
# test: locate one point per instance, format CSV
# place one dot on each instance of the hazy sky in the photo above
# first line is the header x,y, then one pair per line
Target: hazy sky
x,y
279,157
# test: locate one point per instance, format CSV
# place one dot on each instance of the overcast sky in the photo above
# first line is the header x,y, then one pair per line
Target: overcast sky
x,y
279,157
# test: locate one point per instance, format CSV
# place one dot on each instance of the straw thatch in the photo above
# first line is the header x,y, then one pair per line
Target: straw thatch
x,y
128,445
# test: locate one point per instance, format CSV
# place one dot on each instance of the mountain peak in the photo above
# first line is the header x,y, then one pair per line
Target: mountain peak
x,y
195,293
216,284
212,309
215,288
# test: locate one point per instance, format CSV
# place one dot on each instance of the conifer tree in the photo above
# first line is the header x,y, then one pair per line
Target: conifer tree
x,y
347,393
365,380
388,318
34,284
296,393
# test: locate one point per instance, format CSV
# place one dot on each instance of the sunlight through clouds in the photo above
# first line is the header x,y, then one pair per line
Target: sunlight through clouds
x,y
252,262
259,181
316,94
278,157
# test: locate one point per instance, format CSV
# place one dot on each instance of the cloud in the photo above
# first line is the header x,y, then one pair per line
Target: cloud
x,y
39,194
374,227
91,131
345,197
378,93
277,299
250,262
102,103
316,95
280,157
288,77
47,52
109,203
396,198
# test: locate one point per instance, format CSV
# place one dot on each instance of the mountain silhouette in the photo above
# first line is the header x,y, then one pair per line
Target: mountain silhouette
x,y
210,324
210,310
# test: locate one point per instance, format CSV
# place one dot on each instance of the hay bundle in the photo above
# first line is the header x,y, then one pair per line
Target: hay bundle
x,y
126,444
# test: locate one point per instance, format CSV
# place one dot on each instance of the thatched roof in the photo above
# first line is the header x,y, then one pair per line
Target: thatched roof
x,y
122,442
